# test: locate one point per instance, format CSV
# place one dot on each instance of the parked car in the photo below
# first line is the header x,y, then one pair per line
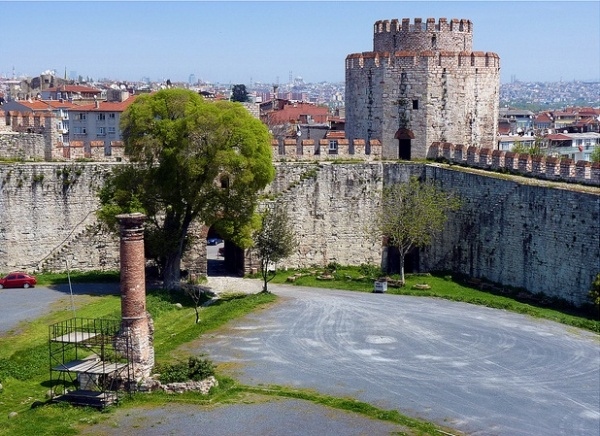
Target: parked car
x,y
17,279
213,241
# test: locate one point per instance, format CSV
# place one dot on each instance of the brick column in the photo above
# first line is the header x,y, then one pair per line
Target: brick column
x,y
137,328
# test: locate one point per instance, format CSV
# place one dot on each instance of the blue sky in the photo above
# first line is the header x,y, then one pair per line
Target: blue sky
x,y
251,41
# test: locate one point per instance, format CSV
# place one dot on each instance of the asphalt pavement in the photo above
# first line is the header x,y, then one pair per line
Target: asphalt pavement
x,y
22,305
479,370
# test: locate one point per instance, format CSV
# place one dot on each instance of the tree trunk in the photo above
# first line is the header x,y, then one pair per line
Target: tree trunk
x,y
172,272
401,261
264,271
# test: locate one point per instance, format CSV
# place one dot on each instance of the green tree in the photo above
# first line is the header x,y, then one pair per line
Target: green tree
x,y
274,240
595,155
239,93
190,160
412,214
534,150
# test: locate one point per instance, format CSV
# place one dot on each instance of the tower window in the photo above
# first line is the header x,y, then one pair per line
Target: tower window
x,y
415,104
433,42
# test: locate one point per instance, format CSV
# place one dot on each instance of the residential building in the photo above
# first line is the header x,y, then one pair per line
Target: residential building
x,y
94,131
509,142
73,93
48,118
575,146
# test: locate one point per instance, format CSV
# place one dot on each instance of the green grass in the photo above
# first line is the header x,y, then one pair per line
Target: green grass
x,y
45,279
360,279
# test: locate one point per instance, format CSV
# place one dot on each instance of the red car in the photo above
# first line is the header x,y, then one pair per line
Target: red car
x,y
17,279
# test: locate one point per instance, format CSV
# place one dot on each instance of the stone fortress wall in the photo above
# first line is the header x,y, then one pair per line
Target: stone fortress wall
x,y
541,167
47,218
422,83
511,230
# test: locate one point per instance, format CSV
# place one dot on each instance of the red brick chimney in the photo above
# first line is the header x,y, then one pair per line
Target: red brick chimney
x,y
137,328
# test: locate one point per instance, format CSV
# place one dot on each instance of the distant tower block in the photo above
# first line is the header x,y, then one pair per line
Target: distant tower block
x,y
136,322
422,83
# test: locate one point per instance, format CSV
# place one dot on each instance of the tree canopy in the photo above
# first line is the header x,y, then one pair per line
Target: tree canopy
x,y
412,214
189,160
274,240
239,93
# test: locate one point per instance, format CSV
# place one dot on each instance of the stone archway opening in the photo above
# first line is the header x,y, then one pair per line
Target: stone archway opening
x,y
223,257
215,254
404,137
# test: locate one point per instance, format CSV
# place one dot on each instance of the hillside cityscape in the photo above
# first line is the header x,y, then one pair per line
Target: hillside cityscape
x,y
535,96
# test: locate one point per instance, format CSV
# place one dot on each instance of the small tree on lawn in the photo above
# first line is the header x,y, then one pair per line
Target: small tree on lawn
x,y
198,295
273,241
412,214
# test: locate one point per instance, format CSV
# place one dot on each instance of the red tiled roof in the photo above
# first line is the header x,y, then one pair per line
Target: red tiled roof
x,y
335,134
558,137
293,112
544,118
106,106
57,104
35,105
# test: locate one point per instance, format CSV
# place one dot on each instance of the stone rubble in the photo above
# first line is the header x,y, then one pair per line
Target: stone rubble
x,y
151,384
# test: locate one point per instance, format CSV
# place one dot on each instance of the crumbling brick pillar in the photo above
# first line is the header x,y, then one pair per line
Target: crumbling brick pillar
x,y
137,329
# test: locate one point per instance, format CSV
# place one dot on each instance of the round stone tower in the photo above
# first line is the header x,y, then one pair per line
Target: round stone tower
x,y
422,83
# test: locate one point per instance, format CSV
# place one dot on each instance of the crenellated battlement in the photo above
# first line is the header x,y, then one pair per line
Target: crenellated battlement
x,y
429,25
426,58
326,149
394,35
541,167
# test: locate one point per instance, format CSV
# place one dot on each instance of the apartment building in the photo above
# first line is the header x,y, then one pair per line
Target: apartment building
x,y
94,128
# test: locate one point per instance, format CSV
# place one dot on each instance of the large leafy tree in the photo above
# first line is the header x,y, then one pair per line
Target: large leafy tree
x,y
190,160
412,214
274,240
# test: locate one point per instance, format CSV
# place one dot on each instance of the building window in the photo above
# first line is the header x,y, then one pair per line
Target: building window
x,y
415,104
79,131
101,117
112,130
80,117
101,131
333,146
111,116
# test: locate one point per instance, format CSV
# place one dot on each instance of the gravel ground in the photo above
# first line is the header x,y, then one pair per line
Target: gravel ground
x,y
273,418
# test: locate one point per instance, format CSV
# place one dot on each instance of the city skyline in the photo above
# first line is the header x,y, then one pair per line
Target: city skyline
x,y
271,41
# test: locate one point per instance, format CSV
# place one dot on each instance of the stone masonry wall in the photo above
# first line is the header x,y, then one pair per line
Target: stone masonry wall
x,y
47,218
519,233
22,146
539,235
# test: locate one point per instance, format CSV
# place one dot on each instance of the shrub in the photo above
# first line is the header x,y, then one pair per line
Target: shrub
x,y
369,270
194,369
